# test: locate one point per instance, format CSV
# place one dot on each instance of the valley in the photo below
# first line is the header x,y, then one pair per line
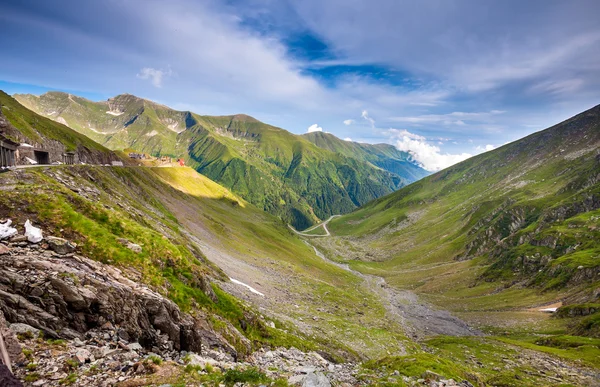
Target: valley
x,y
440,282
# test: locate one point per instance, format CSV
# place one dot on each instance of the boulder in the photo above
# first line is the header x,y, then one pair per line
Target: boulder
x,y
24,329
60,245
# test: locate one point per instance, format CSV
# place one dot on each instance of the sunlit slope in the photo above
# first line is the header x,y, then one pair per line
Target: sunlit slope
x,y
524,216
259,249
280,172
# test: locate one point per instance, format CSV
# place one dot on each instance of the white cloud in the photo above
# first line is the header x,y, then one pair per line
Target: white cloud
x,y
486,148
429,156
348,122
348,139
314,128
365,115
454,118
154,75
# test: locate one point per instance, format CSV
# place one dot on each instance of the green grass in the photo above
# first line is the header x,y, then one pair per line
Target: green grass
x,y
285,174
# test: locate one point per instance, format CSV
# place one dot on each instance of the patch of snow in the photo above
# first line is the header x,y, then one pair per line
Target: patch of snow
x,y
30,161
548,310
114,113
61,120
248,286
151,134
51,113
25,145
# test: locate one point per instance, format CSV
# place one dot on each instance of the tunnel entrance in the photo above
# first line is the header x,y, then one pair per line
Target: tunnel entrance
x,y
42,157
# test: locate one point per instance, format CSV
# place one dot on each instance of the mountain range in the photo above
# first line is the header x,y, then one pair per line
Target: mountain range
x,y
299,178
485,273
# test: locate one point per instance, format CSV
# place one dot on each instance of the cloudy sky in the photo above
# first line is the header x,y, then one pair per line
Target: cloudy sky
x,y
444,79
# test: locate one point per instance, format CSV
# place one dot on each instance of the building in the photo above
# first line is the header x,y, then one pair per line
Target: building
x,y
8,150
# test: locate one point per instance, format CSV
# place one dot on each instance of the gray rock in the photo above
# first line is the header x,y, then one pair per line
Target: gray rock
x,y
21,329
60,245
134,247
83,355
135,347
316,380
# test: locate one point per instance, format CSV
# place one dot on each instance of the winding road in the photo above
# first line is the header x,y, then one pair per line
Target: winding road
x,y
324,224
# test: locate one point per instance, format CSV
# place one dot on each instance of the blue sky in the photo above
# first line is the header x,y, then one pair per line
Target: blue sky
x,y
443,79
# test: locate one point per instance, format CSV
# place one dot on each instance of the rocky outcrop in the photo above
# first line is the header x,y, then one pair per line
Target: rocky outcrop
x,y
67,295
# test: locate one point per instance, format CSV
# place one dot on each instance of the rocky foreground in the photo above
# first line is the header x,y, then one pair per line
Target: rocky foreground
x,y
68,320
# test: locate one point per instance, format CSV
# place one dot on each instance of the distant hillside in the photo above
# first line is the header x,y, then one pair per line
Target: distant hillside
x,y
278,171
384,156
524,216
25,126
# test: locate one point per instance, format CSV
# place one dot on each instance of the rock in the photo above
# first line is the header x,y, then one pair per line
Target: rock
x,y
23,329
18,239
60,245
82,355
135,347
7,379
430,375
4,249
296,380
11,342
316,380
134,247
69,294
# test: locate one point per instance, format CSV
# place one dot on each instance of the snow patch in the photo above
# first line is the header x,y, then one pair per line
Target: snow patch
x,y
549,310
62,120
248,286
114,113
151,134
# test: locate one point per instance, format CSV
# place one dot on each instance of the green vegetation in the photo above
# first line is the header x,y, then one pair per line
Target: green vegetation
x,y
384,156
511,228
69,380
34,128
285,174
31,377
249,375
155,359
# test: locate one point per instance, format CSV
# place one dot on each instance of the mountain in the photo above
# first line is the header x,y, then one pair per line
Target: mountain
x,y
507,229
384,156
280,172
199,286
21,125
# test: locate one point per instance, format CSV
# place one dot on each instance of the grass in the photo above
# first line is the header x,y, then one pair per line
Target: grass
x,y
285,174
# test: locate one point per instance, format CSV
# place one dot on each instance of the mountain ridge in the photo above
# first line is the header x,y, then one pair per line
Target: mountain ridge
x,y
282,173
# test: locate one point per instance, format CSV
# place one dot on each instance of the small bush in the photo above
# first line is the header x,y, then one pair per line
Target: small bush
x,y
250,375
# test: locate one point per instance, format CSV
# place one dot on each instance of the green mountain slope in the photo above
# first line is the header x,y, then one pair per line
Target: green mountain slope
x,y
278,171
23,125
508,229
384,156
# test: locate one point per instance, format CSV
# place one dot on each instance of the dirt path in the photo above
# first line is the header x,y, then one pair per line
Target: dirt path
x,y
419,319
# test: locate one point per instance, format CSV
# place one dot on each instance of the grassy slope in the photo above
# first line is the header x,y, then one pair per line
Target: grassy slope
x,y
384,156
37,129
474,237
164,209
279,172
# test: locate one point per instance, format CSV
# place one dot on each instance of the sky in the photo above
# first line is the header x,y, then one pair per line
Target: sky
x,y
442,79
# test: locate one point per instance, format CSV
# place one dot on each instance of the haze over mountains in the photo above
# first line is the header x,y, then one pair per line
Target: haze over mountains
x,y
300,178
